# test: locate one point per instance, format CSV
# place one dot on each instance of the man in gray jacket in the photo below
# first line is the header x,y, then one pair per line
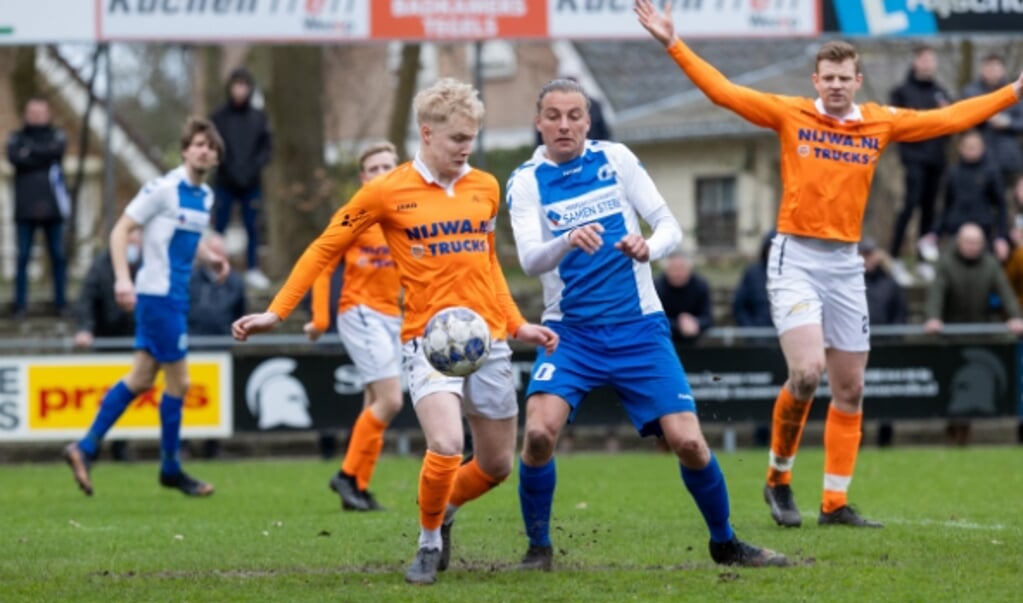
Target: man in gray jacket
x,y
967,276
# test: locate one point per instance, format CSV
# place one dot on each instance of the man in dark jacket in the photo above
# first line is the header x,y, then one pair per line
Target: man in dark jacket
x,y
40,198
886,305
214,305
973,193
1001,132
923,162
968,275
750,306
685,296
247,141
97,313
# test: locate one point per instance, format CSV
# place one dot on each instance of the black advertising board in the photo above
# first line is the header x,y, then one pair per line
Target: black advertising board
x,y
320,389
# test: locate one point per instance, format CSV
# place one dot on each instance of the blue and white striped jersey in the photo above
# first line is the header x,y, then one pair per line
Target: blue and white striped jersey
x,y
606,184
173,215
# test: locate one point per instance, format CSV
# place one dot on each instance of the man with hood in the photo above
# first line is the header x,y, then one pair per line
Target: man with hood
x,y
924,161
246,133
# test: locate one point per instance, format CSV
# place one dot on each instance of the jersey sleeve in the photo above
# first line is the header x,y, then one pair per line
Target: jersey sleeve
x,y
345,226
760,108
642,193
321,296
911,126
149,202
535,255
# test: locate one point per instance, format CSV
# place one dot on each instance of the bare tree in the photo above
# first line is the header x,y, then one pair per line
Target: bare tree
x,y
408,72
299,198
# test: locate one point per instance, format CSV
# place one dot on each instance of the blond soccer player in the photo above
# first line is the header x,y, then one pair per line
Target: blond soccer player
x,y
437,214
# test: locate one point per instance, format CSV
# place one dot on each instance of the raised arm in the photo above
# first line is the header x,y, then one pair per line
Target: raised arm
x,y
756,107
911,126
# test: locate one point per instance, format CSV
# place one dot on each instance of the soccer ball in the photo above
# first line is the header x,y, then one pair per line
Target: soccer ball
x,y
456,341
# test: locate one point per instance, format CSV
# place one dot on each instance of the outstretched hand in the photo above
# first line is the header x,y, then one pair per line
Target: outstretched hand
x,y
251,324
660,25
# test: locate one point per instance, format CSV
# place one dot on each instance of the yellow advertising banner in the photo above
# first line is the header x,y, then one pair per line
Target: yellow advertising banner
x,y
60,396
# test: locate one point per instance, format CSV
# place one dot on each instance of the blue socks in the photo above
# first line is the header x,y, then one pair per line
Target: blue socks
x,y
170,434
114,403
536,494
707,486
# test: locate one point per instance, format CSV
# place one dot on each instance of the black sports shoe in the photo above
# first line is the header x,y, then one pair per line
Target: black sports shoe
x,y
737,552
370,500
783,505
79,463
538,558
846,516
445,551
424,567
187,484
351,498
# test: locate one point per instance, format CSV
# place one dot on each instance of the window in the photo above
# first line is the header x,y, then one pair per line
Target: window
x,y
716,213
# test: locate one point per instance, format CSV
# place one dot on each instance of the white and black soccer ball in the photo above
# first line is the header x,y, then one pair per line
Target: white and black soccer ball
x,y
456,341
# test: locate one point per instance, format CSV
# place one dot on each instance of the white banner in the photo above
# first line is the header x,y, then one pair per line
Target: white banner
x,y
579,19
47,21
234,20
341,21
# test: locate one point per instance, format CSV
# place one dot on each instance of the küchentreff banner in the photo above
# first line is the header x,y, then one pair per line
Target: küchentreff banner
x,y
340,21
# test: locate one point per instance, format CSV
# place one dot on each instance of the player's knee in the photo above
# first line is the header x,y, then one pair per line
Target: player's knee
x,y
139,383
497,469
804,380
446,445
387,408
849,393
690,450
539,443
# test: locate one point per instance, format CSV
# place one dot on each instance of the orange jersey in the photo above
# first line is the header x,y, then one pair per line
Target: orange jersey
x,y
443,245
370,279
827,164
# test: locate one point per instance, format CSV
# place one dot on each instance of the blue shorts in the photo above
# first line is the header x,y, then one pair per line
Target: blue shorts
x,y
161,328
636,358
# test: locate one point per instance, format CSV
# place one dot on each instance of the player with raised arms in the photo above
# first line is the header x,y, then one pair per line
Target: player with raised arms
x,y
438,215
829,150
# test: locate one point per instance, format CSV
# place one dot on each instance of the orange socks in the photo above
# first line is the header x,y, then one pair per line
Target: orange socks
x,y
436,480
786,431
471,482
842,435
364,448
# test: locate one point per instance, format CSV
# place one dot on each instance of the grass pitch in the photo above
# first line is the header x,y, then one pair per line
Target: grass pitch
x,y
624,530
